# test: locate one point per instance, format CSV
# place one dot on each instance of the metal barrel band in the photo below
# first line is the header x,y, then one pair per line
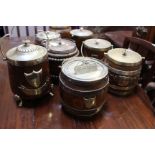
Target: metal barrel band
x,y
121,88
63,59
82,113
128,73
64,86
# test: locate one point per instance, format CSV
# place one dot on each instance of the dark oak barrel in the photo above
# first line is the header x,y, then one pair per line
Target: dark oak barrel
x,y
95,48
83,86
80,35
58,51
28,69
124,70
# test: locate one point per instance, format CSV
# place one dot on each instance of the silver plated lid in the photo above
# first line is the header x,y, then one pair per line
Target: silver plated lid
x,y
61,46
45,35
84,69
81,32
26,54
97,44
126,57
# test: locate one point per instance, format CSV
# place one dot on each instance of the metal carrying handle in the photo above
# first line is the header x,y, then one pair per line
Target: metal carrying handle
x,y
1,50
47,41
143,58
3,55
82,50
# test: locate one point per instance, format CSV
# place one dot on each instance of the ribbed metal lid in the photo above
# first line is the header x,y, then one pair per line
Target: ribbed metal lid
x,y
26,52
61,46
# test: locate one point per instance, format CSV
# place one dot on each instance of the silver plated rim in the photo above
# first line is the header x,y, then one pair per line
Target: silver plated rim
x,y
84,80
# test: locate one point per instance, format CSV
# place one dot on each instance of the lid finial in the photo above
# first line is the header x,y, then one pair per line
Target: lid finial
x,y
124,53
26,42
81,28
96,42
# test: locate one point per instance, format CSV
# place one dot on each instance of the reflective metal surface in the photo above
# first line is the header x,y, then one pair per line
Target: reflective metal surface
x,y
61,46
47,35
26,54
128,73
35,91
89,102
81,32
97,44
125,57
84,69
34,78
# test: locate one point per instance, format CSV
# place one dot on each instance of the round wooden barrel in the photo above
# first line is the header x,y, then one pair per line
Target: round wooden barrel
x,y
46,35
83,86
63,30
95,48
80,35
124,70
58,51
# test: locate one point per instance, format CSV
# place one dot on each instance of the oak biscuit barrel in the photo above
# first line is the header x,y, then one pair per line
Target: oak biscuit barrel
x,y
46,35
83,86
28,71
124,70
63,30
95,48
58,51
80,35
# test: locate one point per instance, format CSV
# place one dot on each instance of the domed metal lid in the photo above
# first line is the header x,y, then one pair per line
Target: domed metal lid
x,y
84,69
97,44
26,54
126,57
45,35
61,46
81,32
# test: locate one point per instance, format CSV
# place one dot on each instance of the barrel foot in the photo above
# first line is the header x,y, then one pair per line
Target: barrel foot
x,y
18,100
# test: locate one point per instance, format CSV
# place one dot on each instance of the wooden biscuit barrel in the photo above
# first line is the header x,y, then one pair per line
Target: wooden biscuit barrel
x,y
95,48
83,86
80,35
124,70
58,51
28,69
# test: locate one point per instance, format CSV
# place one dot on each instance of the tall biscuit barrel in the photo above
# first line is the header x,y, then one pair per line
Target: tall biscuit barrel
x,y
124,70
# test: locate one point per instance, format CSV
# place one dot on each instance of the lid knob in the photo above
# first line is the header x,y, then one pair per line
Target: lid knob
x,y
60,43
124,53
81,28
96,42
26,42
